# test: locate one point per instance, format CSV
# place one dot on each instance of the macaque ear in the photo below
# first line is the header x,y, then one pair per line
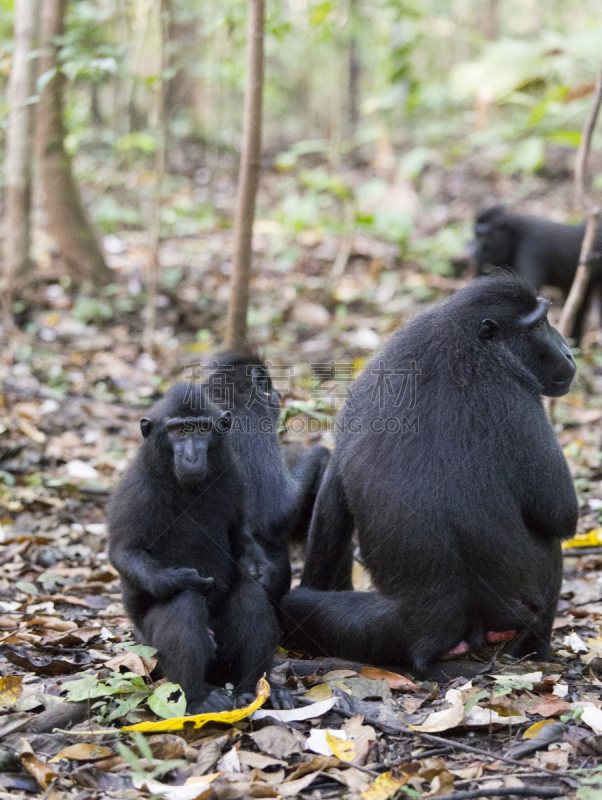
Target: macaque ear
x,y
489,328
146,426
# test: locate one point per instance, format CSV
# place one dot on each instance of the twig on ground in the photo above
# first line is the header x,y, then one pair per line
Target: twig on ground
x,y
429,737
506,791
584,269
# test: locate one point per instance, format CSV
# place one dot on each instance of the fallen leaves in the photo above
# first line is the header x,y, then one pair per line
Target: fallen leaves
x,y
393,680
40,771
198,720
447,718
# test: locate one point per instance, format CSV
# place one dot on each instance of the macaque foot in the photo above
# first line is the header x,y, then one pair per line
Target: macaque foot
x,y
210,703
496,637
493,637
459,650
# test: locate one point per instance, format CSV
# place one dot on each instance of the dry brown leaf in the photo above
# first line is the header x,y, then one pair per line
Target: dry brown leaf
x,y
60,625
435,771
352,778
271,778
278,742
321,691
70,638
10,690
552,759
394,680
81,752
293,788
468,773
258,760
551,708
315,764
133,663
40,771
32,432
167,746
385,786
362,737
444,720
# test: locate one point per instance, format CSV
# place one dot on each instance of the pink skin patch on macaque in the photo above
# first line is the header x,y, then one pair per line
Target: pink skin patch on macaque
x,y
495,637
458,650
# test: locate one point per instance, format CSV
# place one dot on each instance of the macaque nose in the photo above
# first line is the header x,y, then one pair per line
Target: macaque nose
x,y
189,452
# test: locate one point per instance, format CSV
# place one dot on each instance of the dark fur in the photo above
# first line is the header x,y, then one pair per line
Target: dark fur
x,y
459,524
279,501
541,252
167,538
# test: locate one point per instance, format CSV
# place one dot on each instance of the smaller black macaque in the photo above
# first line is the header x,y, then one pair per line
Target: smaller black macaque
x,y
279,501
188,564
541,252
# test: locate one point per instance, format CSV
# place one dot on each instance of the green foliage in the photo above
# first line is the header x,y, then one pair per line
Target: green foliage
x,y
25,586
90,309
123,693
142,765
142,650
168,701
7,477
526,157
138,140
591,784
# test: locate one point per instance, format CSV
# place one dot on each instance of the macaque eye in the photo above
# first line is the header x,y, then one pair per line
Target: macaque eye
x,y
179,431
204,427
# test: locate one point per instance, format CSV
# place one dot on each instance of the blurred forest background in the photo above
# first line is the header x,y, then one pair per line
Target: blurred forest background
x,y
386,126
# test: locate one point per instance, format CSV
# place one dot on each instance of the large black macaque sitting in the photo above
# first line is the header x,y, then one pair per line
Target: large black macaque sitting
x,y
279,501
447,466
189,567
541,252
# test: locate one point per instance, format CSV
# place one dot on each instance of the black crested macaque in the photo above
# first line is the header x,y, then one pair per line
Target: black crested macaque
x,y
178,538
541,252
451,472
279,501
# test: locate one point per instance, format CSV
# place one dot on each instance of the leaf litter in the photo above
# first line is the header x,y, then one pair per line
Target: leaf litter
x,y
80,716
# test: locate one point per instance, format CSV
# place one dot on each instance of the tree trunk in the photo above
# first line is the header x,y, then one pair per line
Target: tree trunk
x,y
250,163
68,221
489,19
582,201
19,146
184,36
354,71
154,228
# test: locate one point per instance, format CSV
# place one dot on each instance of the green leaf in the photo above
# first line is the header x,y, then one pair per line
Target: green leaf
x,y
86,688
528,157
474,700
7,478
124,705
566,138
27,587
142,650
136,141
143,746
167,766
126,683
129,756
589,793
163,703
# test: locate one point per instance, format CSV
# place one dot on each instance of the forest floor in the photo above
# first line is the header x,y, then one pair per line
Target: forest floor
x,y
75,382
